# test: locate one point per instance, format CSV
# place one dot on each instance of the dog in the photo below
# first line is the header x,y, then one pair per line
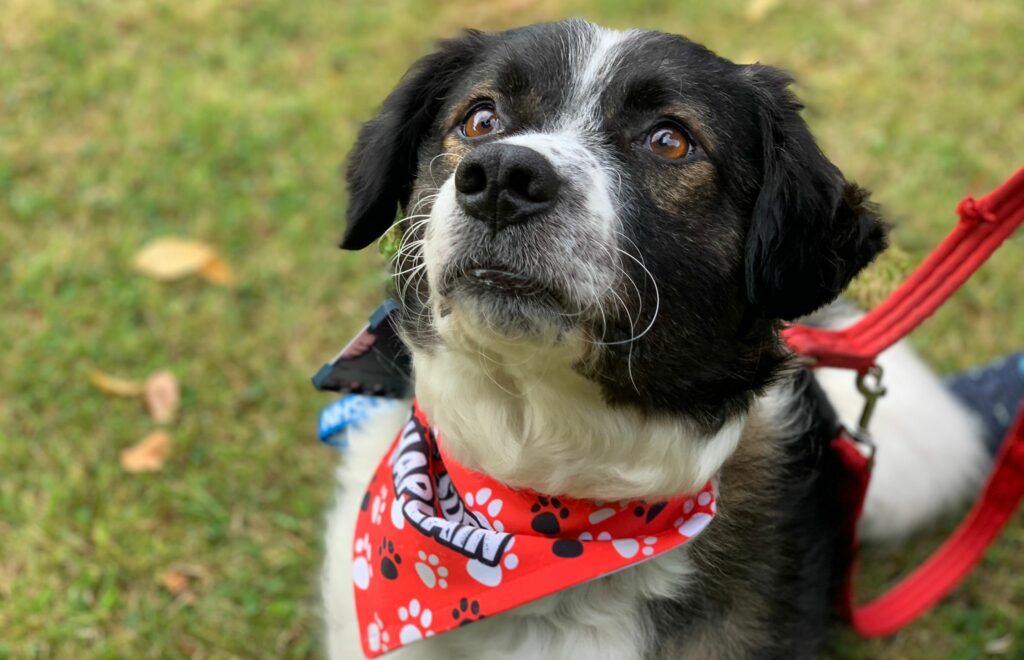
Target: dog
x,y
603,233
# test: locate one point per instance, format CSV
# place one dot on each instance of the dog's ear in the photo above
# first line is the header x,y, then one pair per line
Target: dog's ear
x,y
811,231
382,166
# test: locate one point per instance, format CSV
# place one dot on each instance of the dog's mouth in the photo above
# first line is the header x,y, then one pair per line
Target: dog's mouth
x,y
497,282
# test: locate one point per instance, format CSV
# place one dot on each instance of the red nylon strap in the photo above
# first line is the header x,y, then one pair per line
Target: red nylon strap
x,y
984,225
854,476
937,576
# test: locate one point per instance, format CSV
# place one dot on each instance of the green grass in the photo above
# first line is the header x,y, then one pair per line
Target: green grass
x,y
226,121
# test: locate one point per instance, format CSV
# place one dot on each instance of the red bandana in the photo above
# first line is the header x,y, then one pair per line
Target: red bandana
x,y
455,546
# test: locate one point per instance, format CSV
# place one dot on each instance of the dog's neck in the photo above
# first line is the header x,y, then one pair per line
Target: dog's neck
x,y
528,419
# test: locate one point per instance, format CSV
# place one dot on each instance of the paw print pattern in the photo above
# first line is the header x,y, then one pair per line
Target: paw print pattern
x,y
417,622
362,569
548,512
600,515
629,548
649,512
690,527
389,559
567,548
626,547
379,506
467,612
491,576
482,497
430,572
377,638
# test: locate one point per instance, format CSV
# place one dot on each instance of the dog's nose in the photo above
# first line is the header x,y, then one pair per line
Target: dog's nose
x,y
502,184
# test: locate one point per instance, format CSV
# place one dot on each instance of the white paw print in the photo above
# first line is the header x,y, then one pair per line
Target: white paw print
x,y
704,499
629,547
491,576
430,572
600,515
417,622
362,569
481,498
378,506
377,638
626,547
693,525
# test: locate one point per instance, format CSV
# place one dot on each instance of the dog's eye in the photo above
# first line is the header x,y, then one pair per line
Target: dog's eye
x,y
482,120
668,141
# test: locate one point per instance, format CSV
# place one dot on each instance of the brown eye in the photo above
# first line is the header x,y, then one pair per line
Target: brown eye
x,y
481,120
669,142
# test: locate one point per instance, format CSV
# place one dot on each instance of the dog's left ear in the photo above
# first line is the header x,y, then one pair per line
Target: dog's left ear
x,y
811,231
382,166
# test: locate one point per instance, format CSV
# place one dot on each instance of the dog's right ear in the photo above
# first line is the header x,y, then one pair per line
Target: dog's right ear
x,y
382,165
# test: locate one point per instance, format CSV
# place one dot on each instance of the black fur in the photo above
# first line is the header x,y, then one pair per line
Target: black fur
x,y
812,231
785,574
382,165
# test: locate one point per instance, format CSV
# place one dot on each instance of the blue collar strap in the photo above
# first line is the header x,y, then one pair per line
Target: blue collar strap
x,y
349,411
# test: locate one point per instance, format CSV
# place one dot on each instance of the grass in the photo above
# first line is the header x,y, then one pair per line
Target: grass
x,y
123,120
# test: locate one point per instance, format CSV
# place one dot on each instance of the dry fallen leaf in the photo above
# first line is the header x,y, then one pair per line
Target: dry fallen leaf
x,y
174,581
114,385
217,271
172,258
758,10
147,455
1000,645
162,396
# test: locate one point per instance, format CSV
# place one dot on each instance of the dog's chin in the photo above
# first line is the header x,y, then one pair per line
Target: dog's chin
x,y
497,306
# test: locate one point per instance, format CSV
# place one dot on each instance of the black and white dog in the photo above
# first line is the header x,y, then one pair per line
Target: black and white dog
x,y
603,233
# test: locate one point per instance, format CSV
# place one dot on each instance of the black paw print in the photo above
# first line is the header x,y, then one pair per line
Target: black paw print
x,y
649,512
366,502
388,566
546,522
464,610
567,548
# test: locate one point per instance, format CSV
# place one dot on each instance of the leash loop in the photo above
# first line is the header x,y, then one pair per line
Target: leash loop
x,y
971,210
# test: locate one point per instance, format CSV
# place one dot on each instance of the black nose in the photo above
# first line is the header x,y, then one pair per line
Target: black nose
x,y
502,184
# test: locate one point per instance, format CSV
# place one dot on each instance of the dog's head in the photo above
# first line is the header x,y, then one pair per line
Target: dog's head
x,y
630,199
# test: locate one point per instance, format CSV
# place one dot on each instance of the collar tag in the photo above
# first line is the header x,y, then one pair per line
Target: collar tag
x,y
374,363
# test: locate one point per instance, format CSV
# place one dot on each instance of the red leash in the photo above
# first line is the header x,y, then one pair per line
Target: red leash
x,y
984,225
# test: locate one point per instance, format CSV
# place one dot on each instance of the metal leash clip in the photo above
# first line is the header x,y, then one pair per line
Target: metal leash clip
x,y
869,384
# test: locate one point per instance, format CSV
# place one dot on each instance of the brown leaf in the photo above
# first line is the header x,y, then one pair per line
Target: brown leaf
x,y
162,396
114,385
175,582
171,258
1000,645
217,271
147,455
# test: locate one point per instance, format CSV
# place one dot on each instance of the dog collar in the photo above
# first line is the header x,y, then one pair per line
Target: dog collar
x,y
438,546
